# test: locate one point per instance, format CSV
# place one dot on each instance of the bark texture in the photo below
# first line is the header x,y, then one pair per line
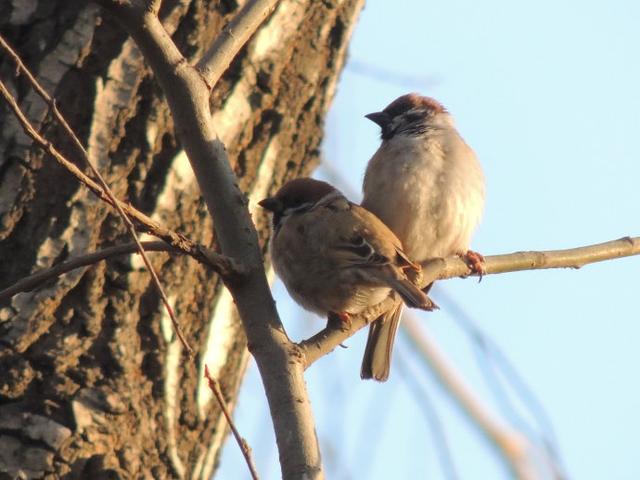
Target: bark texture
x,y
93,383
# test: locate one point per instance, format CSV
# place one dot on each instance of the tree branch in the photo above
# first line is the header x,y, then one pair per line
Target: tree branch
x,y
329,338
280,364
516,449
214,385
38,278
105,188
440,269
219,263
217,59
226,267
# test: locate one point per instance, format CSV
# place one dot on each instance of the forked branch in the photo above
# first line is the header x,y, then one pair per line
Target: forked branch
x,y
187,91
226,267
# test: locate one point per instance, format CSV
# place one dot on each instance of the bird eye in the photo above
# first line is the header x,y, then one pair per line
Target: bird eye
x,y
412,117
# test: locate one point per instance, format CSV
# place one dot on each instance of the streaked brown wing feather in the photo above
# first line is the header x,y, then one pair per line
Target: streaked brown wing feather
x,y
384,240
358,251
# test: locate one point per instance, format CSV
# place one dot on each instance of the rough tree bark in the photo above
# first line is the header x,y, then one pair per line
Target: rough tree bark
x,y
92,380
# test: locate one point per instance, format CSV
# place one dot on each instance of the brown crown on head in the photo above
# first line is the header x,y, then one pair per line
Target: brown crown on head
x,y
299,191
411,100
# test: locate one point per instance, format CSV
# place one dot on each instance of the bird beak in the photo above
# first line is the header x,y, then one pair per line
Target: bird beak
x,y
272,204
380,118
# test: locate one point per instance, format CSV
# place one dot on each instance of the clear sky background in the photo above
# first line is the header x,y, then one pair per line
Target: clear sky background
x,y
548,95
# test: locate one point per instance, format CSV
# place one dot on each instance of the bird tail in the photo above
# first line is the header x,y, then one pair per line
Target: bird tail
x,y
376,361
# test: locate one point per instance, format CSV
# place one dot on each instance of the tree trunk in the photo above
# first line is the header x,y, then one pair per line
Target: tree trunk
x,y
93,381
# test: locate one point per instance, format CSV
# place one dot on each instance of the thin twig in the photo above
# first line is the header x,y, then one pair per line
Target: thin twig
x,y
442,268
32,281
242,443
511,443
496,366
106,189
225,266
419,392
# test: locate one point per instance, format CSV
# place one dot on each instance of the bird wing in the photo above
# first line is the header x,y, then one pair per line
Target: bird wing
x,y
383,240
358,251
362,242
355,241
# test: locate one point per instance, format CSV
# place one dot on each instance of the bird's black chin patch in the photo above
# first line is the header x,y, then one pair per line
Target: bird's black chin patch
x,y
277,218
387,132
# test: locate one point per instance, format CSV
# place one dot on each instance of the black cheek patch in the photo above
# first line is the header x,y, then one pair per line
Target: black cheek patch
x,y
387,133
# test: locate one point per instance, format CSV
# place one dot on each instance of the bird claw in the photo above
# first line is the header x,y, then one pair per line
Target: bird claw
x,y
340,320
475,262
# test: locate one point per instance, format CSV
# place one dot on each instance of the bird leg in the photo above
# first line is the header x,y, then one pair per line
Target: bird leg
x,y
339,320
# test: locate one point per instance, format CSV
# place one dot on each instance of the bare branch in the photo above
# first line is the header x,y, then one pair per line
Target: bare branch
x,y
442,268
278,359
106,189
218,263
497,368
217,59
38,278
515,448
422,395
327,339
242,443
439,269
226,267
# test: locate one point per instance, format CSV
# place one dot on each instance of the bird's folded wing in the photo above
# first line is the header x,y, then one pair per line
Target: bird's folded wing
x,y
357,251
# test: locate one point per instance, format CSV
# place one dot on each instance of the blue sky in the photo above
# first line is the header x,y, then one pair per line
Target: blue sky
x,y
547,94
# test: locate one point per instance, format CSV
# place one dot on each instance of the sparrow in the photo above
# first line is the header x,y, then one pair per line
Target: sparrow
x,y
333,256
426,184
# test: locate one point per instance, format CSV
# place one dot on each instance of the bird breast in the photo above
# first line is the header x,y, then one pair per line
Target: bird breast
x,y
429,190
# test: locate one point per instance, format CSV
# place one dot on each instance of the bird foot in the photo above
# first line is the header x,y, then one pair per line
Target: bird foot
x,y
339,320
475,262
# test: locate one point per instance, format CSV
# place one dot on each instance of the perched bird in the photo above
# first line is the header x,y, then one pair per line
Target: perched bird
x,y
426,184
333,256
